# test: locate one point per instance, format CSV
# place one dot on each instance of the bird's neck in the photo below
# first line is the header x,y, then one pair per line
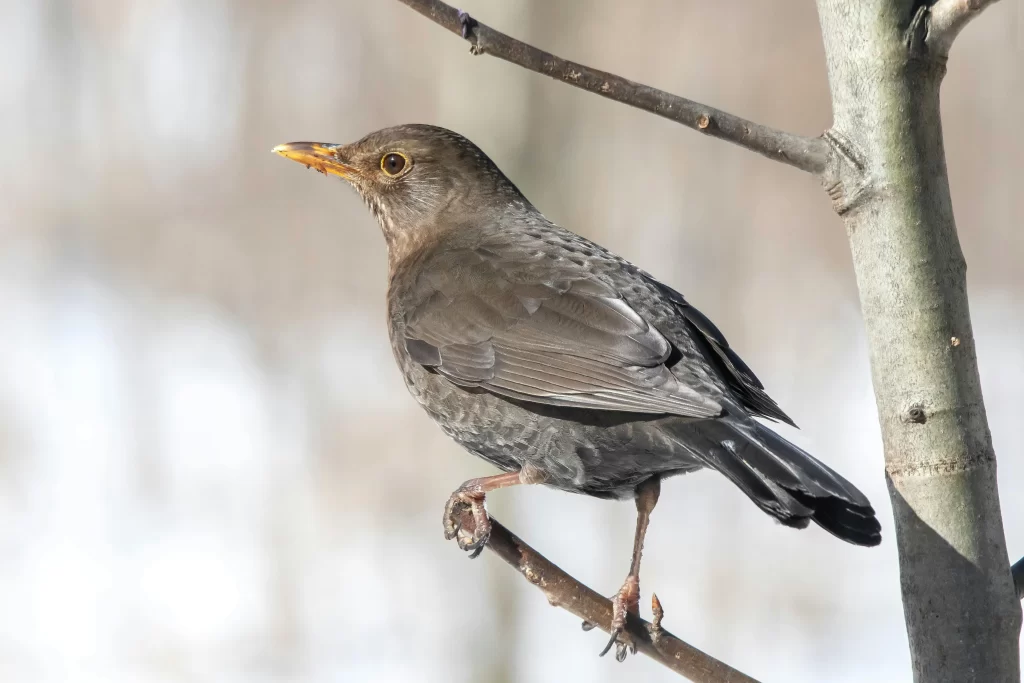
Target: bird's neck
x,y
458,223
408,243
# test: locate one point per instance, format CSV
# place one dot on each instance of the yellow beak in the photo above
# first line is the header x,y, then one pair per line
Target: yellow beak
x,y
319,155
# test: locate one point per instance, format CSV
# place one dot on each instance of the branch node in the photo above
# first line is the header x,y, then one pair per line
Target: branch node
x,y
845,177
914,38
915,414
841,144
659,614
468,25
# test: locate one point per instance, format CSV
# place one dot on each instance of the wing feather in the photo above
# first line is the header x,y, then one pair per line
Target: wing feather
x,y
742,380
558,336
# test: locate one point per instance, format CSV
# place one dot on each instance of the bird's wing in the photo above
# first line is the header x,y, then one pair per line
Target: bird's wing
x,y
526,326
741,379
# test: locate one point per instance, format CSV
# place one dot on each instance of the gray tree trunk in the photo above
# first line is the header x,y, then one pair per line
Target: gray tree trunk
x,y
887,177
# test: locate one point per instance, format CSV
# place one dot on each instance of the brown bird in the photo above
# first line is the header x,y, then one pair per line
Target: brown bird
x,y
560,362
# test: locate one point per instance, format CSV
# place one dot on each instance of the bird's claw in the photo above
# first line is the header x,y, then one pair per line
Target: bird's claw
x,y
623,645
625,601
460,503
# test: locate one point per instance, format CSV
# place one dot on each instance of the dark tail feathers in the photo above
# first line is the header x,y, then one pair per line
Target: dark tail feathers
x,y
790,485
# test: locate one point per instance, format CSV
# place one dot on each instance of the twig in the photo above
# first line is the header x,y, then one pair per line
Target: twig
x,y
1018,577
806,153
566,592
948,18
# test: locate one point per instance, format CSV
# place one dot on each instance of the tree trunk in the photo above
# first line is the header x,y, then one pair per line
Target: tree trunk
x,y
887,177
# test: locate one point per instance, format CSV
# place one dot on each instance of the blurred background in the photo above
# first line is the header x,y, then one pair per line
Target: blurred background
x,y
209,467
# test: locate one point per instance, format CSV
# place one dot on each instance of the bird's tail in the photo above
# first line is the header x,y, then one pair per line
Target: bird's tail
x,y
789,484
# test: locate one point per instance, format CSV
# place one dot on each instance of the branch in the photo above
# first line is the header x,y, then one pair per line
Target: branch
x,y
564,591
807,154
1018,577
948,18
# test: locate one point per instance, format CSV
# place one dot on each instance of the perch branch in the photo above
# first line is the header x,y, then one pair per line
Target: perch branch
x,y
564,591
807,154
1018,577
948,18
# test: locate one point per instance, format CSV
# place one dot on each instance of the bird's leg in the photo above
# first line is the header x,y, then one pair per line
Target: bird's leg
x,y
470,497
628,598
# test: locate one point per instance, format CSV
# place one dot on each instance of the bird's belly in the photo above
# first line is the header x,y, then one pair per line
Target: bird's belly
x,y
594,452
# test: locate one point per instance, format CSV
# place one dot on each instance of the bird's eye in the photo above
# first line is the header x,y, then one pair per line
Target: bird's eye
x,y
393,163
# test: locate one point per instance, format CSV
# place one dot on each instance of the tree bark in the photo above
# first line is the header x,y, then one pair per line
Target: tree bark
x,y
888,181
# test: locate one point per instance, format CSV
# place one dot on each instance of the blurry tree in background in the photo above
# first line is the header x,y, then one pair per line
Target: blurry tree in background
x,y
198,406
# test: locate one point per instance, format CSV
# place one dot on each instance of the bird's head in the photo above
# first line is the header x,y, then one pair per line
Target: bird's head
x,y
414,178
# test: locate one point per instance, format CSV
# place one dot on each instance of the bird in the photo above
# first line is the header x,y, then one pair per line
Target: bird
x,y
559,362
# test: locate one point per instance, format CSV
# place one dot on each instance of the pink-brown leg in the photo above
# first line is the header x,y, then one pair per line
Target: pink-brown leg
x,y
628,598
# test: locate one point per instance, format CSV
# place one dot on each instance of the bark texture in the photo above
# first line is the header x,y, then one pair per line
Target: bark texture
x,y
888,181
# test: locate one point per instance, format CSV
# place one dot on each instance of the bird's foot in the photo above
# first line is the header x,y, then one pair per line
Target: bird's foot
x,y
467,501
625,601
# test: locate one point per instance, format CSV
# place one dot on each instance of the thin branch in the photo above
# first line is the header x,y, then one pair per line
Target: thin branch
x,y
566,592
948,18
1018,577
807,154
